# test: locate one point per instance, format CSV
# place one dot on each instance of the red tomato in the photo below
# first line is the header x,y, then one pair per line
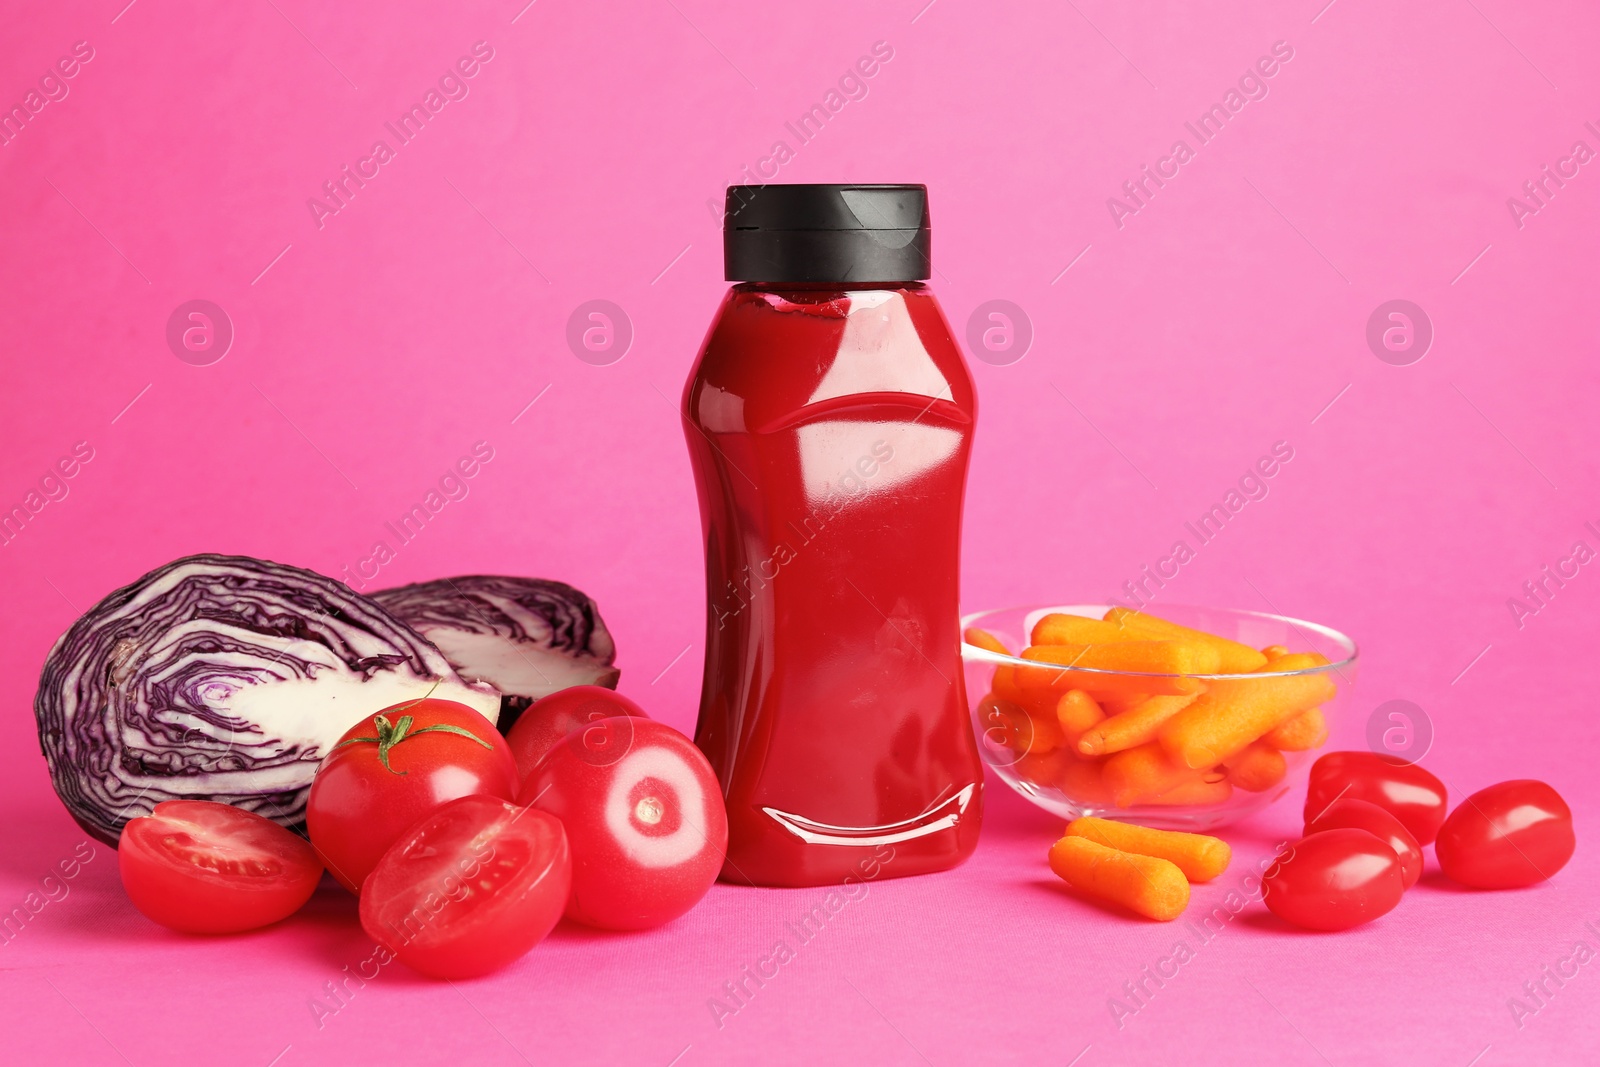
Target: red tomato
x,y
645,817
394,767
1333,880
1405,790
207,868
550,719
1507,836
1346,813
470,887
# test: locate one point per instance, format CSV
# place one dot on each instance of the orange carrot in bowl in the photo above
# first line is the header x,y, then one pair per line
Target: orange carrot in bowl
x,y
985,640
1077,711
1273,652
1116,703
1144,657
1235,657
1234,712
1256,769
1200,793
1082,781
1305,731
1133,727
1199,857
1152,887
1061,629
1136,775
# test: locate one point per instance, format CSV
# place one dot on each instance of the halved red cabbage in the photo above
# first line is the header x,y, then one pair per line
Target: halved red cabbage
x,y
528,637
223,678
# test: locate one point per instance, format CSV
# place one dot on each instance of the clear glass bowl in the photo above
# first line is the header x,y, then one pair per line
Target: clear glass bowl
x,y
1035,746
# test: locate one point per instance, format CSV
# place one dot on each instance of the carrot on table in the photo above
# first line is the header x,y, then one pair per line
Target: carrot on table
x,y
1235,711
1305,731
1133,727
1154,888
1236,658
1199,857
1138,774
1256,769
985,640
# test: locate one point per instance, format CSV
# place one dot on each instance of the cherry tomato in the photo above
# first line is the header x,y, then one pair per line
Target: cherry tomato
x,y
645,817
207,868
1405,790
392,768
1333,880
1506,836
551,718
470,887
1346,813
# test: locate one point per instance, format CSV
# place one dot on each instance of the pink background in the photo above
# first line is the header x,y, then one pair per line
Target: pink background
x,y
1228,314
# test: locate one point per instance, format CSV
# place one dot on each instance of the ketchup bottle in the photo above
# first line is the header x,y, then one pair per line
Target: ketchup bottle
x,y
829,419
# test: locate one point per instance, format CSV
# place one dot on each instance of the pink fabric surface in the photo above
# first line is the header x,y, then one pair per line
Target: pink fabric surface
x,y
1171,347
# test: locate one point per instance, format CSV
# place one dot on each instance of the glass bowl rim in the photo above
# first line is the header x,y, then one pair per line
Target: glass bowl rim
x,y
971,652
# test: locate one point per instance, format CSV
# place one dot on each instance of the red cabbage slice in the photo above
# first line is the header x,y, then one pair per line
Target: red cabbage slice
x,y
223,678
528,637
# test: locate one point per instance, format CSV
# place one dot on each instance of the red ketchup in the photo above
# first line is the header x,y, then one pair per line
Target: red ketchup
x,y
829,419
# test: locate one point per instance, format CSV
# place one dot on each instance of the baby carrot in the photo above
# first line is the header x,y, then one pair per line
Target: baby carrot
x,y
1236,658
1042,769
1132,727
1199,857
1082,781
1061,629
1272,652
1077,711
1145,657
1201,792
1154,888
1137,774
1044,733
1235,711
1305,731
1116,703
985,640
1258,768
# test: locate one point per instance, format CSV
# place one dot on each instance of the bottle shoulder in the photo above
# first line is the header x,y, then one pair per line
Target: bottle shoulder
x,y
775,358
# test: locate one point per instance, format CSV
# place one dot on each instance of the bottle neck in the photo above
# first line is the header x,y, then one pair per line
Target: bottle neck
x,y
825,287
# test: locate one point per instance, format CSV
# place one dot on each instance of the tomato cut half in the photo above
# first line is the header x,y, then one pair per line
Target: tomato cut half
x,y
470,887
207,868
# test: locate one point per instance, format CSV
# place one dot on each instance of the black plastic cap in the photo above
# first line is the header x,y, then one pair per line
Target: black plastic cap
x,y
826,233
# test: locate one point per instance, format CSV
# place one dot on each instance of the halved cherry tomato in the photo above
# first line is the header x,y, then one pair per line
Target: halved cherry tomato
x,y
1333,880
1346,813
207,868
392,768
551,718
1405,790
645,817
1506,836
469,888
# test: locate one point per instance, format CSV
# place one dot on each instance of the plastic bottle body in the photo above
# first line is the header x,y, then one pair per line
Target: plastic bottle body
x,y
829,430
